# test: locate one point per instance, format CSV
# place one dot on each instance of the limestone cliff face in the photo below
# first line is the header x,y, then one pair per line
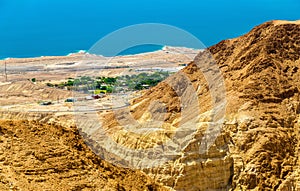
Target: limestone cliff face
x,y
258,146
187,118
262,80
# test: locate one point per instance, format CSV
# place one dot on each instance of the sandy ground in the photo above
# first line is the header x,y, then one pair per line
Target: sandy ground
x,y
17,93
63,67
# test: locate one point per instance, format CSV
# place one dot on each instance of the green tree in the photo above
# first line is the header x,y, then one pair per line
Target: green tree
x,y
110,81
70,83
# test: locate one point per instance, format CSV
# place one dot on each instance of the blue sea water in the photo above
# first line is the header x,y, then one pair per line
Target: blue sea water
x,y
31,28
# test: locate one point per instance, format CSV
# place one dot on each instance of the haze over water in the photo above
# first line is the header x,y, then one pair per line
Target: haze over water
x,y
58,27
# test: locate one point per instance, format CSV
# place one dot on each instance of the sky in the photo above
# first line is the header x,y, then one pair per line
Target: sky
x,y
56,27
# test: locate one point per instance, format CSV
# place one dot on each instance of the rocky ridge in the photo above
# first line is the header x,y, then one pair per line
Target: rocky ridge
x,y
35,155
259,142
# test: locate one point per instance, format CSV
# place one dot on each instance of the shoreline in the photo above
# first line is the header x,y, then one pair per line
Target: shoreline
x,y
84,52
80,52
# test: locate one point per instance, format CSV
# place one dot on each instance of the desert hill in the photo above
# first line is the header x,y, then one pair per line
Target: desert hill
x,y
262,81
39,156
259,143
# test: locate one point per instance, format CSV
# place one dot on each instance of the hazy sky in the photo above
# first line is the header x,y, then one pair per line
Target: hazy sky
x,y
36,25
